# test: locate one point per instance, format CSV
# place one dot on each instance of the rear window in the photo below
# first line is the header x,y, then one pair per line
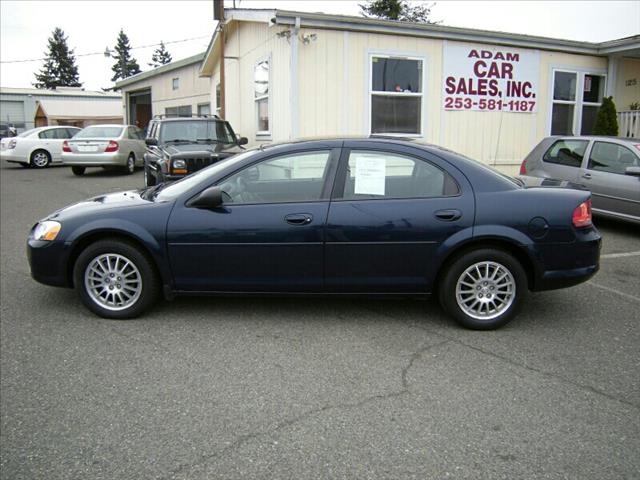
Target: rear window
x,y
566,152
99,132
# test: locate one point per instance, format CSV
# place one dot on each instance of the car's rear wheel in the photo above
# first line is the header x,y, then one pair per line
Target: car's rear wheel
x,y
130,167
483,289
149,179
40,159
115,279
78,171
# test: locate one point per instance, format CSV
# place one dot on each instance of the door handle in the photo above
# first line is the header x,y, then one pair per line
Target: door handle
x,y
586,175
448,215
298,218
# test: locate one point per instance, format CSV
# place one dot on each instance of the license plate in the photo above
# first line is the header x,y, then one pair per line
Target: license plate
x,y
87,148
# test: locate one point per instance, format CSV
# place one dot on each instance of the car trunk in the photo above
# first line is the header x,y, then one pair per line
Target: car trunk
x,y
88,145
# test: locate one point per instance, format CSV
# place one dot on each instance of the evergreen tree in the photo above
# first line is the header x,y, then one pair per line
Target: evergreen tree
x,y
606,119
59,69
125,65
397,10
161,56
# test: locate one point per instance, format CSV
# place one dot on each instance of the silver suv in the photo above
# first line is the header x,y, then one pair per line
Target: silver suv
x,y
609,167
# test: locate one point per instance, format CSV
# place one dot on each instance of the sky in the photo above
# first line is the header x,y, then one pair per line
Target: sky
x,y
187,26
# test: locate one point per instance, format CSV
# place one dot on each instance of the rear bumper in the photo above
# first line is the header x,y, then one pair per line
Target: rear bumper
x,y
568,264
94,159
9,156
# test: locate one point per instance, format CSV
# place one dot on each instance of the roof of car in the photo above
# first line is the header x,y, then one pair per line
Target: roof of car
x,y
597,137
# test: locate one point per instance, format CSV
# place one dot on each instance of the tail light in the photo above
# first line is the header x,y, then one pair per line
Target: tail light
x,y
112,147
582,215
66,147
523,168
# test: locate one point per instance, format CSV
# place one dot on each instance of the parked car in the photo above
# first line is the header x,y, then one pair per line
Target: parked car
x,y
180,146
38,147
334,217
608,167
107,146
7,131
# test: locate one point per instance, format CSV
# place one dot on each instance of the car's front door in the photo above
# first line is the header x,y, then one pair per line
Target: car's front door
x,y
389,215
266,237
604,174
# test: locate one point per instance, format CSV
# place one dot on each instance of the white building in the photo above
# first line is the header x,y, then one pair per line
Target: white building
x,y
489,95
174,89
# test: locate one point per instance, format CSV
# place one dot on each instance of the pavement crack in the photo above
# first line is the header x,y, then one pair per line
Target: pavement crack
x,y
244,439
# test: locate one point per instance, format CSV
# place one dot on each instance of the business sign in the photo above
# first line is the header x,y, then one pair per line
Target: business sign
x,y
479,77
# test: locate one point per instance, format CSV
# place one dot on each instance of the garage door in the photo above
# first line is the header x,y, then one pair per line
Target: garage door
x,y
12,112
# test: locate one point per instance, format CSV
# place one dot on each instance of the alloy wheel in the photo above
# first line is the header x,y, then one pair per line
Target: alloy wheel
x,y
485,290
113,281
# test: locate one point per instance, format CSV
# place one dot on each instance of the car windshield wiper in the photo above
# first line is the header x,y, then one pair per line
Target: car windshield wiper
x,y
151,192
179,140
209,140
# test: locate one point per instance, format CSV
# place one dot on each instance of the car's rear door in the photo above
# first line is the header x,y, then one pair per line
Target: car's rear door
x,y
268,235
391,210
604,174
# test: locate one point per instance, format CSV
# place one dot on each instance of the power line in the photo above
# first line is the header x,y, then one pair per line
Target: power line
x,y
102,53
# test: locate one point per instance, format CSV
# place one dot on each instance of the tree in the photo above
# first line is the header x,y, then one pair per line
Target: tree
x,y
397,10
161,56
125,65
59,69
606,119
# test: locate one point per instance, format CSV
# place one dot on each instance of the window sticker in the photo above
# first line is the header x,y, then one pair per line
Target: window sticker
x,y
370,174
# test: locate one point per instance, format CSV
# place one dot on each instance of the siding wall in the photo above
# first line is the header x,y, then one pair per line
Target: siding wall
x,y
193,89
628,69
333,82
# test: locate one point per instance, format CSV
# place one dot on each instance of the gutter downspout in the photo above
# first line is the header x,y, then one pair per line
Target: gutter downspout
x,y
294,131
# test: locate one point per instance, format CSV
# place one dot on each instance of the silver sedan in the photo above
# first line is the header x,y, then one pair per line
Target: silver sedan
x,y
119,146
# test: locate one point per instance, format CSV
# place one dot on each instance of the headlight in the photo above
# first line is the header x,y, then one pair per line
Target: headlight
x,y
12,144
47,230
179,164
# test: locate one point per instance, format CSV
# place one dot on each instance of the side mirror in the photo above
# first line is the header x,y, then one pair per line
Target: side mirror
x,y
209,198
151,141
634,171
242,140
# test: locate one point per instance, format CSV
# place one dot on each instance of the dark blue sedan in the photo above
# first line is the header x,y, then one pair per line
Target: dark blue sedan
x,y
333,217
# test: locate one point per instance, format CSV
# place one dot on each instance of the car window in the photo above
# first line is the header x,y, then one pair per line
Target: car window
x,y
376,175
297,177
566,152
47,134
70,132
138,134
611,157
100,132
195,130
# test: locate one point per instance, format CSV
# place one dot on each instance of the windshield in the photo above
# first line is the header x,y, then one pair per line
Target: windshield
x,y
196,131
99,132
175,189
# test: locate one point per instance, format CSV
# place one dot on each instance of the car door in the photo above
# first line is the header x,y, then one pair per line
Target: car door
x,y
267,236
390,212
604,174
563,159
54,143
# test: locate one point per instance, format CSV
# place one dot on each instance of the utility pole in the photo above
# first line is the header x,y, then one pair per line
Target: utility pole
x,y
218,14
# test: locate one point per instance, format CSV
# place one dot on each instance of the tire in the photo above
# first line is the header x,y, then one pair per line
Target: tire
x,y
130,167
40,159
149,179
107,295
77,170
483,289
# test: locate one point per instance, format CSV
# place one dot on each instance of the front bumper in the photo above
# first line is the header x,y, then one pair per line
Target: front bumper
x,y
47,262
94,159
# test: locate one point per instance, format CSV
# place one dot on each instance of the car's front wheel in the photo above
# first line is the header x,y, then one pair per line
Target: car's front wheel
x,y
40,159
115,279
483,289
149,179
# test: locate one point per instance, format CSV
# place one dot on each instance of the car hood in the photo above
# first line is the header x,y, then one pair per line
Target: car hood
x,y
200,147
131,198
534,182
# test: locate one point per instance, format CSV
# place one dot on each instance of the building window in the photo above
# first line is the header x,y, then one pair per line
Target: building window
x,y
261,95
396,95
204,109
175,83
576,99
181,111
218,99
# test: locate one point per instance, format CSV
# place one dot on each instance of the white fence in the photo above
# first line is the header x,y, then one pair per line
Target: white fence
x,y
629,123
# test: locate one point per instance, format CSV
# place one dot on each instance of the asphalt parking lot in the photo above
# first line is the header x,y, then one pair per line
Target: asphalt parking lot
x,y
206,388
